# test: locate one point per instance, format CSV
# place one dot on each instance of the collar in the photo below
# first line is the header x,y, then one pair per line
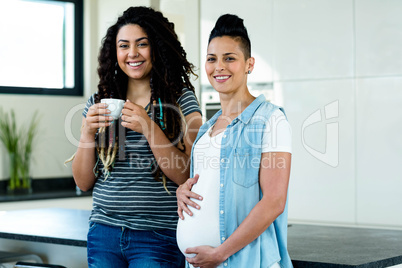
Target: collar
x,y
245,116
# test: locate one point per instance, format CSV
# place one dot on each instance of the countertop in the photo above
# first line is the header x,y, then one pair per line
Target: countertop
x,y
309,245
47,225
337,247
44,189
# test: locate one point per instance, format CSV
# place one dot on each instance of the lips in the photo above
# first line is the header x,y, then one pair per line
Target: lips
x,y
135,64
222,78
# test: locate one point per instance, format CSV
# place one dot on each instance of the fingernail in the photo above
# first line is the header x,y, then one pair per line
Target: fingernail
x,y
198,207
200,198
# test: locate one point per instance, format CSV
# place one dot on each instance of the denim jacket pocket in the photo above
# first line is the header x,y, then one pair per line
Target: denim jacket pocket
x,y
246,166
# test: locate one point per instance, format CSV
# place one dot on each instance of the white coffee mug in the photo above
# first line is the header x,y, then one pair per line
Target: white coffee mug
x,y
114,106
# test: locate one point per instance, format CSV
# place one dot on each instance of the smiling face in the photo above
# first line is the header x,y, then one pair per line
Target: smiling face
x,y
134,52
226,66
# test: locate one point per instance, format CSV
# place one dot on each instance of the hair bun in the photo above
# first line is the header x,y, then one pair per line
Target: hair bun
x,y
233,26
230,24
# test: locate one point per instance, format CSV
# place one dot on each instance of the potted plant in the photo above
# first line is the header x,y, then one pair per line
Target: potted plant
x,y
19,145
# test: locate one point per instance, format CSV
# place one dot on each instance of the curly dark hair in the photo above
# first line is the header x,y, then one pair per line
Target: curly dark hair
x,y
170,69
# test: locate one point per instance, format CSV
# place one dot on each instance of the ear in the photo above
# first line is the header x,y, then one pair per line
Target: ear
x,y
250,64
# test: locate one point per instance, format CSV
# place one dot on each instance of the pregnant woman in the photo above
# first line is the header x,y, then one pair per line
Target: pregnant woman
x,y
233,209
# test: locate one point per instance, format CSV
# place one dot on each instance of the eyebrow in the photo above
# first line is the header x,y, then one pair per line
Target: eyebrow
x,y
226,54
136,40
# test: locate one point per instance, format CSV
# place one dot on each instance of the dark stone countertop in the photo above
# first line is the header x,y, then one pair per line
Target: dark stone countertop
x,y
309,245
337,247
52,188
42,195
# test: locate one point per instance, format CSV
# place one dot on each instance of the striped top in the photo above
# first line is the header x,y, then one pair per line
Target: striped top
x,y
130,196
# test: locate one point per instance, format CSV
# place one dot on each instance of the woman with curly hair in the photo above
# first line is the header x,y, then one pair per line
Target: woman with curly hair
x,y
135,164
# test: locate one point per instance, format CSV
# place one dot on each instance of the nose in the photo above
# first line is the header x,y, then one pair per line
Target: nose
x,y
133,52
219,66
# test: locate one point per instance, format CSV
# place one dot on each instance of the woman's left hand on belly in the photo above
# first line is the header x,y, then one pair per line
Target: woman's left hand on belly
x,y
183,195
207,257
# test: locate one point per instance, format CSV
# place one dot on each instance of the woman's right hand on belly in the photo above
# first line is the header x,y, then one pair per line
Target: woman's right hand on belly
x,y
183,195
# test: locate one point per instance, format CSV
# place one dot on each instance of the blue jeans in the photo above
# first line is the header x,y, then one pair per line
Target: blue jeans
x,y
117,247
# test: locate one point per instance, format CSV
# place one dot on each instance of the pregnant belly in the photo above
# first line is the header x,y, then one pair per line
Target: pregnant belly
x,y
201,229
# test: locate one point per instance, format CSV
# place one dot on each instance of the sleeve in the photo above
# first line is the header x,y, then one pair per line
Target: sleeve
x,y
90,102
188,102
277,136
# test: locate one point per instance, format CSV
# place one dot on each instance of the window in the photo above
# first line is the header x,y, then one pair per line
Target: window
x,y
41,47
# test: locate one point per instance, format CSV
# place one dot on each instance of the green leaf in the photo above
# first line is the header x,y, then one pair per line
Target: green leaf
x,y
19,144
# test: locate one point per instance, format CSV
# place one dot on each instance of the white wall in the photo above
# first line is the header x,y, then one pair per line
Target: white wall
x,y
346,52
336,68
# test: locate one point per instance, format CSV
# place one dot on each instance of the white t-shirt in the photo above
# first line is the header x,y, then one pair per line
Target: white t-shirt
x,y
203,227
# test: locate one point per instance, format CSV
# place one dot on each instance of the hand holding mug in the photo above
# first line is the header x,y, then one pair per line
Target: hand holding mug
x,y
97,116
114,106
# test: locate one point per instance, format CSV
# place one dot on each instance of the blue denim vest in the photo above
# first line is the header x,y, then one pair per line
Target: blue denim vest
x,y
239,188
